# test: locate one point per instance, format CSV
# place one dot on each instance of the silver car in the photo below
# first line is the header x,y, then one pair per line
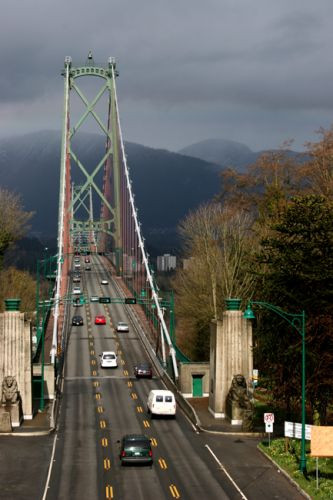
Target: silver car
x,y
122,327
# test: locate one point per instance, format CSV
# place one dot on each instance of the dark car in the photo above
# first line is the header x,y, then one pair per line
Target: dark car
x,y
143,370
77,321
135,448
88,268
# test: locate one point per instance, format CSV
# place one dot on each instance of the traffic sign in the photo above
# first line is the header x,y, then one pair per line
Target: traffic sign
x,y
269,418
130,300
268,427
104,300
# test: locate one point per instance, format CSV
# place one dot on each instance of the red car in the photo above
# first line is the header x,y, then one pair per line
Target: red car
x,y
100,320
87,260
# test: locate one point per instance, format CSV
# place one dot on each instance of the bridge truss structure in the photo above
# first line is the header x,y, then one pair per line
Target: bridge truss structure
x,y
117,232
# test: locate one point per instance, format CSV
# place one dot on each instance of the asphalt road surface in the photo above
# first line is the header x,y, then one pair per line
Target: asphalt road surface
x,y
99,406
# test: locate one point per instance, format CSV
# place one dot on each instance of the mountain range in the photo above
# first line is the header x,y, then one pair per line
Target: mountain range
x,y
167,185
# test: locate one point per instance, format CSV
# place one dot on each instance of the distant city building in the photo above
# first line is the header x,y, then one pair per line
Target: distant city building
x,y
166,262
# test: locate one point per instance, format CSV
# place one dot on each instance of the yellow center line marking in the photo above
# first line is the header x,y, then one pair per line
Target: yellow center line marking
x,y
134,395
98,395
91,344
139,409
125,372
174,491
122,362
120,352
94,373
162,463
108,491
92,352
96,383
104,442
146,424
107,464
100,409
129,383
93,361
102,424
153,442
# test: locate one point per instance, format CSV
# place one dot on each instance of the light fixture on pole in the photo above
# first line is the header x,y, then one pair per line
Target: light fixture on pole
x,y
297,321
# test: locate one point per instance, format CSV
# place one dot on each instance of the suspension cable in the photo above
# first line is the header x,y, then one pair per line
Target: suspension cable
x,y
140,238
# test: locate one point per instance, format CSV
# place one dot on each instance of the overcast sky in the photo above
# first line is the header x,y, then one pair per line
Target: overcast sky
x,y
254,71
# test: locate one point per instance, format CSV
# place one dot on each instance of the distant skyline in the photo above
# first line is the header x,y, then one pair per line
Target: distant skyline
x,y
256,72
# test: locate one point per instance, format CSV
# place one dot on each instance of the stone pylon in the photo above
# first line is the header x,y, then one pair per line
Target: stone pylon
x,y
230,354
15,355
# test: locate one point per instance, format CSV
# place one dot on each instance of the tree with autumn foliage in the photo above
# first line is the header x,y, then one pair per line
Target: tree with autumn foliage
x,y
13,220
217,244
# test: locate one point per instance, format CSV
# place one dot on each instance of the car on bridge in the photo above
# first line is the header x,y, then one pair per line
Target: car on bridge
x,y
94,298
161,402
122,327
77,321
76,290
100,320
143,370
136,449
104,282
88,268
76,279
108,359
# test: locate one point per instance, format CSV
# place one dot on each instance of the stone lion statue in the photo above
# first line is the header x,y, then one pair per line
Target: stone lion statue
x,y
10,393
238,393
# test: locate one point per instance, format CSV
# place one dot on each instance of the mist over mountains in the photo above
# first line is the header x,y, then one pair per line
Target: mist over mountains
x,y
222,152
167,185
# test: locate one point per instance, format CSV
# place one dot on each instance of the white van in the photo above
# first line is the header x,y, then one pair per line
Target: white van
x,y
161,402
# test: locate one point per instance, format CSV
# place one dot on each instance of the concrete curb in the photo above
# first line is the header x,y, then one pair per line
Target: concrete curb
x,y
285,473
227,433
27,434
223,433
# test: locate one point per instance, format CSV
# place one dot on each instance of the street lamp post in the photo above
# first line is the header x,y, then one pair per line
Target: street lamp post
x,y
297,321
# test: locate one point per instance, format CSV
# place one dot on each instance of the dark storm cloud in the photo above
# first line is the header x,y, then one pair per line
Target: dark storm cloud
x,y
180,58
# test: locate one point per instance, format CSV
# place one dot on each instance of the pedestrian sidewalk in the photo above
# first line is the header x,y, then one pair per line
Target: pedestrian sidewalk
x,y
218,425
39,425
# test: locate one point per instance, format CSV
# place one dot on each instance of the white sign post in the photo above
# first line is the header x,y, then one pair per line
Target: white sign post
x,y
269,421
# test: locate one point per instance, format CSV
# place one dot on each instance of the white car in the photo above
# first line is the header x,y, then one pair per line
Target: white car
x,y
104,282
76,290
122,327
108,359
161,402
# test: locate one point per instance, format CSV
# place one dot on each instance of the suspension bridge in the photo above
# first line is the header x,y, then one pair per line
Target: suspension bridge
x,y
116,231
99,278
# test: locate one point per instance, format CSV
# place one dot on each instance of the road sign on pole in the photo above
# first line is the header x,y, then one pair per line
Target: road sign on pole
x,y
269,418
268,427
104,300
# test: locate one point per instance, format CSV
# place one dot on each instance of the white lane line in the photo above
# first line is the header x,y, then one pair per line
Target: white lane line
x,y
226,472
50,468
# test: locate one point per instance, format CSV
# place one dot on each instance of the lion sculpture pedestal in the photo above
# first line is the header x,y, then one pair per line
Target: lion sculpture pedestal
x,y
11,408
